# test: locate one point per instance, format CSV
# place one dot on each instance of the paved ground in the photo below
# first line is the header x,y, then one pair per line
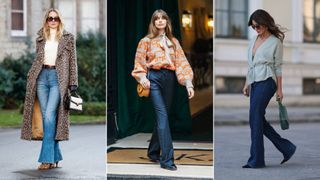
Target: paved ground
x,y
84,155
232,150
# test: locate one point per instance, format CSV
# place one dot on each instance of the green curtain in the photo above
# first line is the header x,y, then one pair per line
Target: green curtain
x,y
134,114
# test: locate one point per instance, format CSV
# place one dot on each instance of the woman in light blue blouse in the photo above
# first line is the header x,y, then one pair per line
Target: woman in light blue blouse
x,y
264,79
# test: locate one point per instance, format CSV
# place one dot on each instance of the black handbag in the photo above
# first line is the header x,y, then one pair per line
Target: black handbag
x,y
72,101
283,116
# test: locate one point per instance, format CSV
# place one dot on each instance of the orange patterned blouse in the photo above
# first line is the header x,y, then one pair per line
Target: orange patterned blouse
x,y
151,53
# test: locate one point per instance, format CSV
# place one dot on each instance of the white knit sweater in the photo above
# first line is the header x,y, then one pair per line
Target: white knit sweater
x,y
51,49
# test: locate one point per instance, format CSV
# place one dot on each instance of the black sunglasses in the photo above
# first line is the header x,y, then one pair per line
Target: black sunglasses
x,y
55,19
256,26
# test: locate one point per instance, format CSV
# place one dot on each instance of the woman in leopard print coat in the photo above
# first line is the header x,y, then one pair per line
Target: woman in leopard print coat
x,y
65,74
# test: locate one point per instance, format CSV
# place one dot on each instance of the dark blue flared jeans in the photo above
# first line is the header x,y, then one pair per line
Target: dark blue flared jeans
x,y
161,93
260,95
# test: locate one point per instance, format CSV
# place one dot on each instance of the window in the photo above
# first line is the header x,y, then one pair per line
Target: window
x,y
311,86
311,23
89,15
231,18
68,13
80,16
229,85
18,18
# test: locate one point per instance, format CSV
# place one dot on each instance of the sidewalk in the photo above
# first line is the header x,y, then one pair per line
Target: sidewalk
x,y
240,115
232,150
83,155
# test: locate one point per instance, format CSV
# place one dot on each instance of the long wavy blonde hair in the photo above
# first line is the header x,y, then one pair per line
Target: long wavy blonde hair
x,y
153,31
45,26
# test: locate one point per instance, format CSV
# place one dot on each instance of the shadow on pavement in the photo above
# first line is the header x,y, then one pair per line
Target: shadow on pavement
x,y
34,173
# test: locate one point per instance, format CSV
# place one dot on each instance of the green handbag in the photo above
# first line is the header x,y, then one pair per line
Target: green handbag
x,y
283,116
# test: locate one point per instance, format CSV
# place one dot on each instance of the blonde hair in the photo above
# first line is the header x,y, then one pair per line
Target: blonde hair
x,y
46,29
153,31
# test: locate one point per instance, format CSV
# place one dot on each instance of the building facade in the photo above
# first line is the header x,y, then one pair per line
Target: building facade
x,y
301,63
21,19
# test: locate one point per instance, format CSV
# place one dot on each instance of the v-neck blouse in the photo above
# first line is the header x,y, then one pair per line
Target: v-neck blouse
x,y
267,60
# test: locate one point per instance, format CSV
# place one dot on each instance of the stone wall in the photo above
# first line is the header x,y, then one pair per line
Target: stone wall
x,y
15,46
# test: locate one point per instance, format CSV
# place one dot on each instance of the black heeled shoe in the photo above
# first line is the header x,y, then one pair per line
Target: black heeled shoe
x,y
155,160
246,166
285,159
173,167
255,167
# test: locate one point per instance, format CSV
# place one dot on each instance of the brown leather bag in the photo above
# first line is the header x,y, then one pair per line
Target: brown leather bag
x,y
142,92
37,126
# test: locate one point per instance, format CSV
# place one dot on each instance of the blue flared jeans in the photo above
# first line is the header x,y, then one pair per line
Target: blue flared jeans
x,y
260,95
161,93
49,98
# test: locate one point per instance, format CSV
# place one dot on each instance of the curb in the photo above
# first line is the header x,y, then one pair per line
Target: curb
x,y
73,124
272,121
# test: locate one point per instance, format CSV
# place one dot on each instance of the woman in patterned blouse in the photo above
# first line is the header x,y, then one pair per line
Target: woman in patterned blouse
x,y
159,61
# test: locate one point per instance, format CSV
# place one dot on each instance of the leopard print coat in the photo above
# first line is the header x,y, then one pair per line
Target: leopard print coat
x,y
67,71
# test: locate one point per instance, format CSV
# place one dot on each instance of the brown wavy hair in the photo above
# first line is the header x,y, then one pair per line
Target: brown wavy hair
x,y
153,31
263,18
46,29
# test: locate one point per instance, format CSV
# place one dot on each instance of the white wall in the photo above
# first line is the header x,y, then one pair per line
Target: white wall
x,y
301,60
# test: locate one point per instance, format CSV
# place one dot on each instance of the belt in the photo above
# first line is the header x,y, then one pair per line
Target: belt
x,y
48,67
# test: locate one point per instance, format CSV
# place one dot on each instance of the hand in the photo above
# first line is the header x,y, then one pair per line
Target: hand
x,y
245,90
145,83
190,92
279,94
73,88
